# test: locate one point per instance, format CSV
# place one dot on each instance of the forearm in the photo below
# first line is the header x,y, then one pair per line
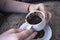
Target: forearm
x,y
15,6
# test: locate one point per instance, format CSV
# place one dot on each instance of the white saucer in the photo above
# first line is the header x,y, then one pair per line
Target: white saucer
x,y
47,29
48,33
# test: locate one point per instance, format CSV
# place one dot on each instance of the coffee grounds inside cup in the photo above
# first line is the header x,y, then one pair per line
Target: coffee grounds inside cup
x,y
34,19
40,34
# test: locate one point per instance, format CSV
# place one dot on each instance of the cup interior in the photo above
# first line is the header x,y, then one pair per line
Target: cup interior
x,y
34,17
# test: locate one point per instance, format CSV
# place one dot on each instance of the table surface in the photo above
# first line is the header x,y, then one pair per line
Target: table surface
x,y
15,20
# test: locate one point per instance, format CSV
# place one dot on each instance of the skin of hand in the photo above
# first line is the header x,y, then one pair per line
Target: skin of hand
x,y
16,6
17,34
41,7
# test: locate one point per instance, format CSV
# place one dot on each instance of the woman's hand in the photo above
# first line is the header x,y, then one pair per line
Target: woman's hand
x,y
21,7
17,34
42,8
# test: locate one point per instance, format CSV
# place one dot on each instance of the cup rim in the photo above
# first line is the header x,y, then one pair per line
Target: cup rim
x,y
35,11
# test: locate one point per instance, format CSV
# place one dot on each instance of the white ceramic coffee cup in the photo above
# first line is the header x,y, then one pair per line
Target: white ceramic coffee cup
x,y
35,27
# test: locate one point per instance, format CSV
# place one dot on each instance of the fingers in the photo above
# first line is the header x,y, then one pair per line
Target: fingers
x,y
48,16
24,34
31,36
13,31
42,7
47,13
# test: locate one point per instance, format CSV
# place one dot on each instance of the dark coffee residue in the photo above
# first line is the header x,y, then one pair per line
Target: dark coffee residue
x,y
34,19
40,34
